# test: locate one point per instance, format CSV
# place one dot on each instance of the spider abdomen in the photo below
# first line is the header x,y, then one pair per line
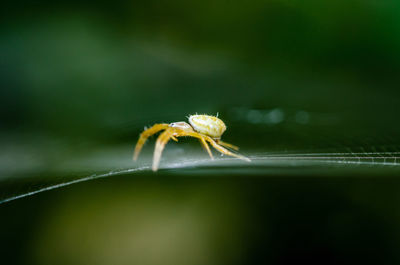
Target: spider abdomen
x,y
208,125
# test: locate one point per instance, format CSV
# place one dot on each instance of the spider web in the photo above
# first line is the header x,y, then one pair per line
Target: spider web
x,y
385,159
278,142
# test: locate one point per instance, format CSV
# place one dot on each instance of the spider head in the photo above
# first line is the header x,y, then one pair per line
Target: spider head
x,y
182,125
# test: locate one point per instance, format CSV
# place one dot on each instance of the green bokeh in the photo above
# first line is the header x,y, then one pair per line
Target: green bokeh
x,y
308,90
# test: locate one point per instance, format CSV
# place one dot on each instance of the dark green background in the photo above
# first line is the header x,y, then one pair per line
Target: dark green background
x,y
308,90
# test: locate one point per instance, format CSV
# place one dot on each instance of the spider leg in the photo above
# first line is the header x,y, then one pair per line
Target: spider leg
x,y
162,140
231,146
205,145
146,134
174,138
201,138
214,144
225,151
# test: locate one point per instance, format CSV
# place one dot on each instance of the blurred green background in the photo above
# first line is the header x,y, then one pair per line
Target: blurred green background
x,y
308,90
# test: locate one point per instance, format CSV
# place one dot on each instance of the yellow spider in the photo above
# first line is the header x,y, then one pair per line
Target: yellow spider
x,y
204,127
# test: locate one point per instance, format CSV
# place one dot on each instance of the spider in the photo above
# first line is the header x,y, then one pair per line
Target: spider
x,y
204,127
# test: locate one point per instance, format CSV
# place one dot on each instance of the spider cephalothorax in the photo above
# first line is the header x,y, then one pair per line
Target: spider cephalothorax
x,y
204,127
